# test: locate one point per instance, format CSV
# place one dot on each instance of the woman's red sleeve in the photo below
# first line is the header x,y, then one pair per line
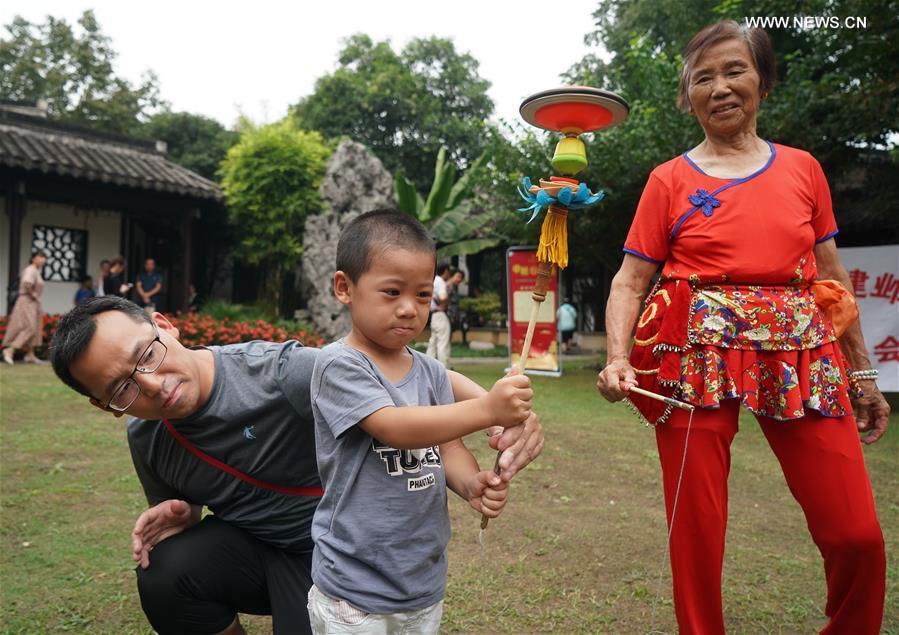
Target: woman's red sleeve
x,y
823,220
648,236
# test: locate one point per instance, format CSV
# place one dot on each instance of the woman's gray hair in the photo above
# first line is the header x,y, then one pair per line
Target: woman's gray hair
x,y
756,40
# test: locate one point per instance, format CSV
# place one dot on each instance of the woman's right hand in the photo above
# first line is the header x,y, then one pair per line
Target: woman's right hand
x,y
616,379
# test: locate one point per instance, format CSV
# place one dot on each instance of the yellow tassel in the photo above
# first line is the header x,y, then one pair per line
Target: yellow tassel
x,y
553,245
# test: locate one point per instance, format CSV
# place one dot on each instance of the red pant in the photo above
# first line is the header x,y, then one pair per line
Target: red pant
x,y
822,461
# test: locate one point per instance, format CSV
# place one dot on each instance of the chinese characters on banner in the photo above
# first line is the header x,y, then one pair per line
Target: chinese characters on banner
x,y
521,270
874,273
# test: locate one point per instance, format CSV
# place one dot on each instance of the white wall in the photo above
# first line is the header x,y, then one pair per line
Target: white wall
x,y
102,228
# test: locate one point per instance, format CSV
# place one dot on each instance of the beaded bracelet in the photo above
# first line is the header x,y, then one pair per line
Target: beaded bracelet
x,y
862,375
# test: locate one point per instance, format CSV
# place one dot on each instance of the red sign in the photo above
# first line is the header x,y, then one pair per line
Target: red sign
x,y
521,266
887,350
874,274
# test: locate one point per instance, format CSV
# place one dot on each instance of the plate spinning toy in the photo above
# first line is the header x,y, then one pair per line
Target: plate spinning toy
x,y
571,111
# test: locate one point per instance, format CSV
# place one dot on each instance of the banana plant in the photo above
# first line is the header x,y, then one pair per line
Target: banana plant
x,y
448,211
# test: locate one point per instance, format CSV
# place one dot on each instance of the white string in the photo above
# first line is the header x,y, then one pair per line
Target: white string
x,y
654,630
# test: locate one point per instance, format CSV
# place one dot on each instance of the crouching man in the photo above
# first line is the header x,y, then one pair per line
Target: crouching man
x,y
225,427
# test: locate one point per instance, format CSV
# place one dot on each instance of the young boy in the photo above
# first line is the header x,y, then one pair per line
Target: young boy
x,y
388,441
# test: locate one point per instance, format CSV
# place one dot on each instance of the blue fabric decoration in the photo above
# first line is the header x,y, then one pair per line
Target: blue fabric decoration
x,y
567,197
704,200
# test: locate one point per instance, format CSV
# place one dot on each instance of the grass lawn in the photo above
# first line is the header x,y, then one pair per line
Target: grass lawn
x,y
579,550
459,350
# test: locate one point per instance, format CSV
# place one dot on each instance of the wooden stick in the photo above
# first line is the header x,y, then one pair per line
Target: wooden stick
x,y
544,273
529,337
668,400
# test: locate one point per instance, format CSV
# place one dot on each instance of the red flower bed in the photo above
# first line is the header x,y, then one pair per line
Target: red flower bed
x,y
50,322
197,329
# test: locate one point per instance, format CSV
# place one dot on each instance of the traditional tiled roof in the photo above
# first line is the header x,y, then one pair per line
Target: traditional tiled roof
x,y
34,143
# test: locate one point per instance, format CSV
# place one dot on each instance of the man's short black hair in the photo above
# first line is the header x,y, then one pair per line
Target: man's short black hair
x,y
373,232
77,328
442,268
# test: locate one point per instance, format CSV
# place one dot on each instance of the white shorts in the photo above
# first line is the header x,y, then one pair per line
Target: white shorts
x,y
330,616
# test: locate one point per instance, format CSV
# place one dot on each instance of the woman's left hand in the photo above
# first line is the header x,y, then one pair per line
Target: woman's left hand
x,y
872,412
520,445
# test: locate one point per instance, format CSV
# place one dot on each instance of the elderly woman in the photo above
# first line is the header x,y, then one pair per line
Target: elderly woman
x,y
25,328
744,232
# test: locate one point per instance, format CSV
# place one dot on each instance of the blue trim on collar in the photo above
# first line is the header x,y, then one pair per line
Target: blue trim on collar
x,y
636,253
730,183
743,179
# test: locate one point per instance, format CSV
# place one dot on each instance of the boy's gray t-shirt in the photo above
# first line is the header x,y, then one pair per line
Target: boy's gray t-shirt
x,y
382,527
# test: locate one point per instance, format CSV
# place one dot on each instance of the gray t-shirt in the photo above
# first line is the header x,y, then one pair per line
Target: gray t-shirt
x,y
382,527
258,419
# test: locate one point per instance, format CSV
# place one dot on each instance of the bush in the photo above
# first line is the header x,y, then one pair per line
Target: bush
x,y
483,309
221,310
271,179
483,306
202,329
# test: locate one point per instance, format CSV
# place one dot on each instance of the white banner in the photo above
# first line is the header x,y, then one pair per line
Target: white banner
x,y
874,272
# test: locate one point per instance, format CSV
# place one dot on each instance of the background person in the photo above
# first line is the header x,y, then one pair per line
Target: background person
x,y
743,229
86,291
25,329
148,286
114,283
104,271
566,319
439,346
247,401
457,277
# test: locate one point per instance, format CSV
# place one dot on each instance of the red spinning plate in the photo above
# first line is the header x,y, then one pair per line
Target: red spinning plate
x,y
574,109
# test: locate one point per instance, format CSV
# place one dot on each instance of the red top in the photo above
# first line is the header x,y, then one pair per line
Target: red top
x,y
759,229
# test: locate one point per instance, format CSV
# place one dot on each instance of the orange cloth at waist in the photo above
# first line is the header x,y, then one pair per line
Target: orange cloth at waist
x,y
836,301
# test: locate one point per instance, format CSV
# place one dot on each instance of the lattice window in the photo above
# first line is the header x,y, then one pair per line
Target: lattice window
x,y
66,251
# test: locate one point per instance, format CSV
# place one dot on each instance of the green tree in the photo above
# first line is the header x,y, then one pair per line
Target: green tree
x,y
513,152
621,158
404,106
194,141
449,211
271,179
72,69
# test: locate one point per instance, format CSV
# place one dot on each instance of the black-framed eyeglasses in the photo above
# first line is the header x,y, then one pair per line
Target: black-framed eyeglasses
x,y
128,391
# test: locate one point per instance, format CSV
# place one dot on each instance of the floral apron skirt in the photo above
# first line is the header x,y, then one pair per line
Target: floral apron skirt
x,y
771,347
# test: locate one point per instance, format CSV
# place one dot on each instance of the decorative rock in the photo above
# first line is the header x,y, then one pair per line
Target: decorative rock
x,y
355,182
